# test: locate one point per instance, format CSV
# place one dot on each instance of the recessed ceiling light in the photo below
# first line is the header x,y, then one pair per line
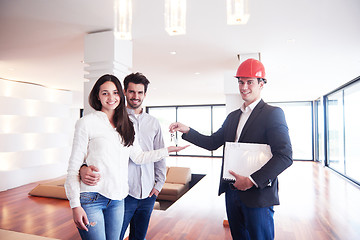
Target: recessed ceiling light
x,y
291,41
197,73
173,53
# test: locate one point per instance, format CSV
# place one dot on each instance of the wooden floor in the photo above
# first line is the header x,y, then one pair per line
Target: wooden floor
x,y
316,203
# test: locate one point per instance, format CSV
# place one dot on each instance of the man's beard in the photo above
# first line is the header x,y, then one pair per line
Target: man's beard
x,y
134,106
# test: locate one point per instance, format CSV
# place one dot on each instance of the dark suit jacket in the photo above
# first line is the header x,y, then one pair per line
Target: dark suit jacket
x,y
266,125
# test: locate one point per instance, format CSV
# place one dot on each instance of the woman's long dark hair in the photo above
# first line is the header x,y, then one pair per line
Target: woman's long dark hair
x,y
121,119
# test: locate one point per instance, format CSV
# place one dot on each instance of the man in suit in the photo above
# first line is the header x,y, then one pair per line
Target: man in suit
x,y
250,200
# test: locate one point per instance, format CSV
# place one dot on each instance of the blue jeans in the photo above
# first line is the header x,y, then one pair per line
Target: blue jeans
x,y
105,216
248,223
137,213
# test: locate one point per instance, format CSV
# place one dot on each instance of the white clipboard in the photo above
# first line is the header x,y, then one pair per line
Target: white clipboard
x,y
244,158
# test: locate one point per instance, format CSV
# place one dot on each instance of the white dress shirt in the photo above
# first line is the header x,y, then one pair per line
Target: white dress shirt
x,y
99,144
246,112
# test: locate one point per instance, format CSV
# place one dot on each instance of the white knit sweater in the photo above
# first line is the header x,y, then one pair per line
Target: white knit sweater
x,y
97,143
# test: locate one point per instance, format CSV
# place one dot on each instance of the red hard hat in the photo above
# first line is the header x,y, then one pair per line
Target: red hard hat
x,y
251,68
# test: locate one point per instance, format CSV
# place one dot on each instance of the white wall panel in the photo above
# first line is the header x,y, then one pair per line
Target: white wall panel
x,y
27,124
30,107
28,159
23,176
32,141
36,130
33,91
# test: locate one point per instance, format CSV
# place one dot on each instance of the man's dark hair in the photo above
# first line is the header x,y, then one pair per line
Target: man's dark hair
x,y
137,78
262,79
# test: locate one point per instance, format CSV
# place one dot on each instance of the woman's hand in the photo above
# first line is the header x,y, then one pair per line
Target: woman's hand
x,y
80,218
176,149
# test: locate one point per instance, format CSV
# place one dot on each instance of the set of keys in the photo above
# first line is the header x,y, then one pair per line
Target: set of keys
x,y
174,139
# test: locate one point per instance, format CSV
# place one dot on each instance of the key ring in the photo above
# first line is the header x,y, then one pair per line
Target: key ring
x,y
174,139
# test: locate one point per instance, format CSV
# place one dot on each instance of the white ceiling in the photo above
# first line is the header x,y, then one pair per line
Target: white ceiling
x,y
308,47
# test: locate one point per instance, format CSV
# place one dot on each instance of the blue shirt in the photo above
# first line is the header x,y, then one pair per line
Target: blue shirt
x,y
143,178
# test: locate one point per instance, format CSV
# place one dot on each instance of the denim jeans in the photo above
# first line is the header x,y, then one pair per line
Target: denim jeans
x,y
105,216
248,223
137,213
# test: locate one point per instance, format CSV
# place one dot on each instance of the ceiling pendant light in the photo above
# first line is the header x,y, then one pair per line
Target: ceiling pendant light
x,y
123,19
237,12
175,16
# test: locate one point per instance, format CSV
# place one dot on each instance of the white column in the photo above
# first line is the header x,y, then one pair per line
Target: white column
x,y
105,54
231,90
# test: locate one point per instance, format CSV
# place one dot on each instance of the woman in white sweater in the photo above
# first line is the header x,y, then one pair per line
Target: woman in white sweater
x,y
105,139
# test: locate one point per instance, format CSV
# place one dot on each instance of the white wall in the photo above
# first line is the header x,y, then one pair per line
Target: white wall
x,y
36,128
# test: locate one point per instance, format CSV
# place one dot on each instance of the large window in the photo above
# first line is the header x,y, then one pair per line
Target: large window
x,y
206,119
335,131
199,118
166,116
218,118
352,131
319,130
343,130
299,120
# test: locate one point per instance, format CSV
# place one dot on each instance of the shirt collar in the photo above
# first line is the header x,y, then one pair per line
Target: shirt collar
x,y
250,107
132,111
